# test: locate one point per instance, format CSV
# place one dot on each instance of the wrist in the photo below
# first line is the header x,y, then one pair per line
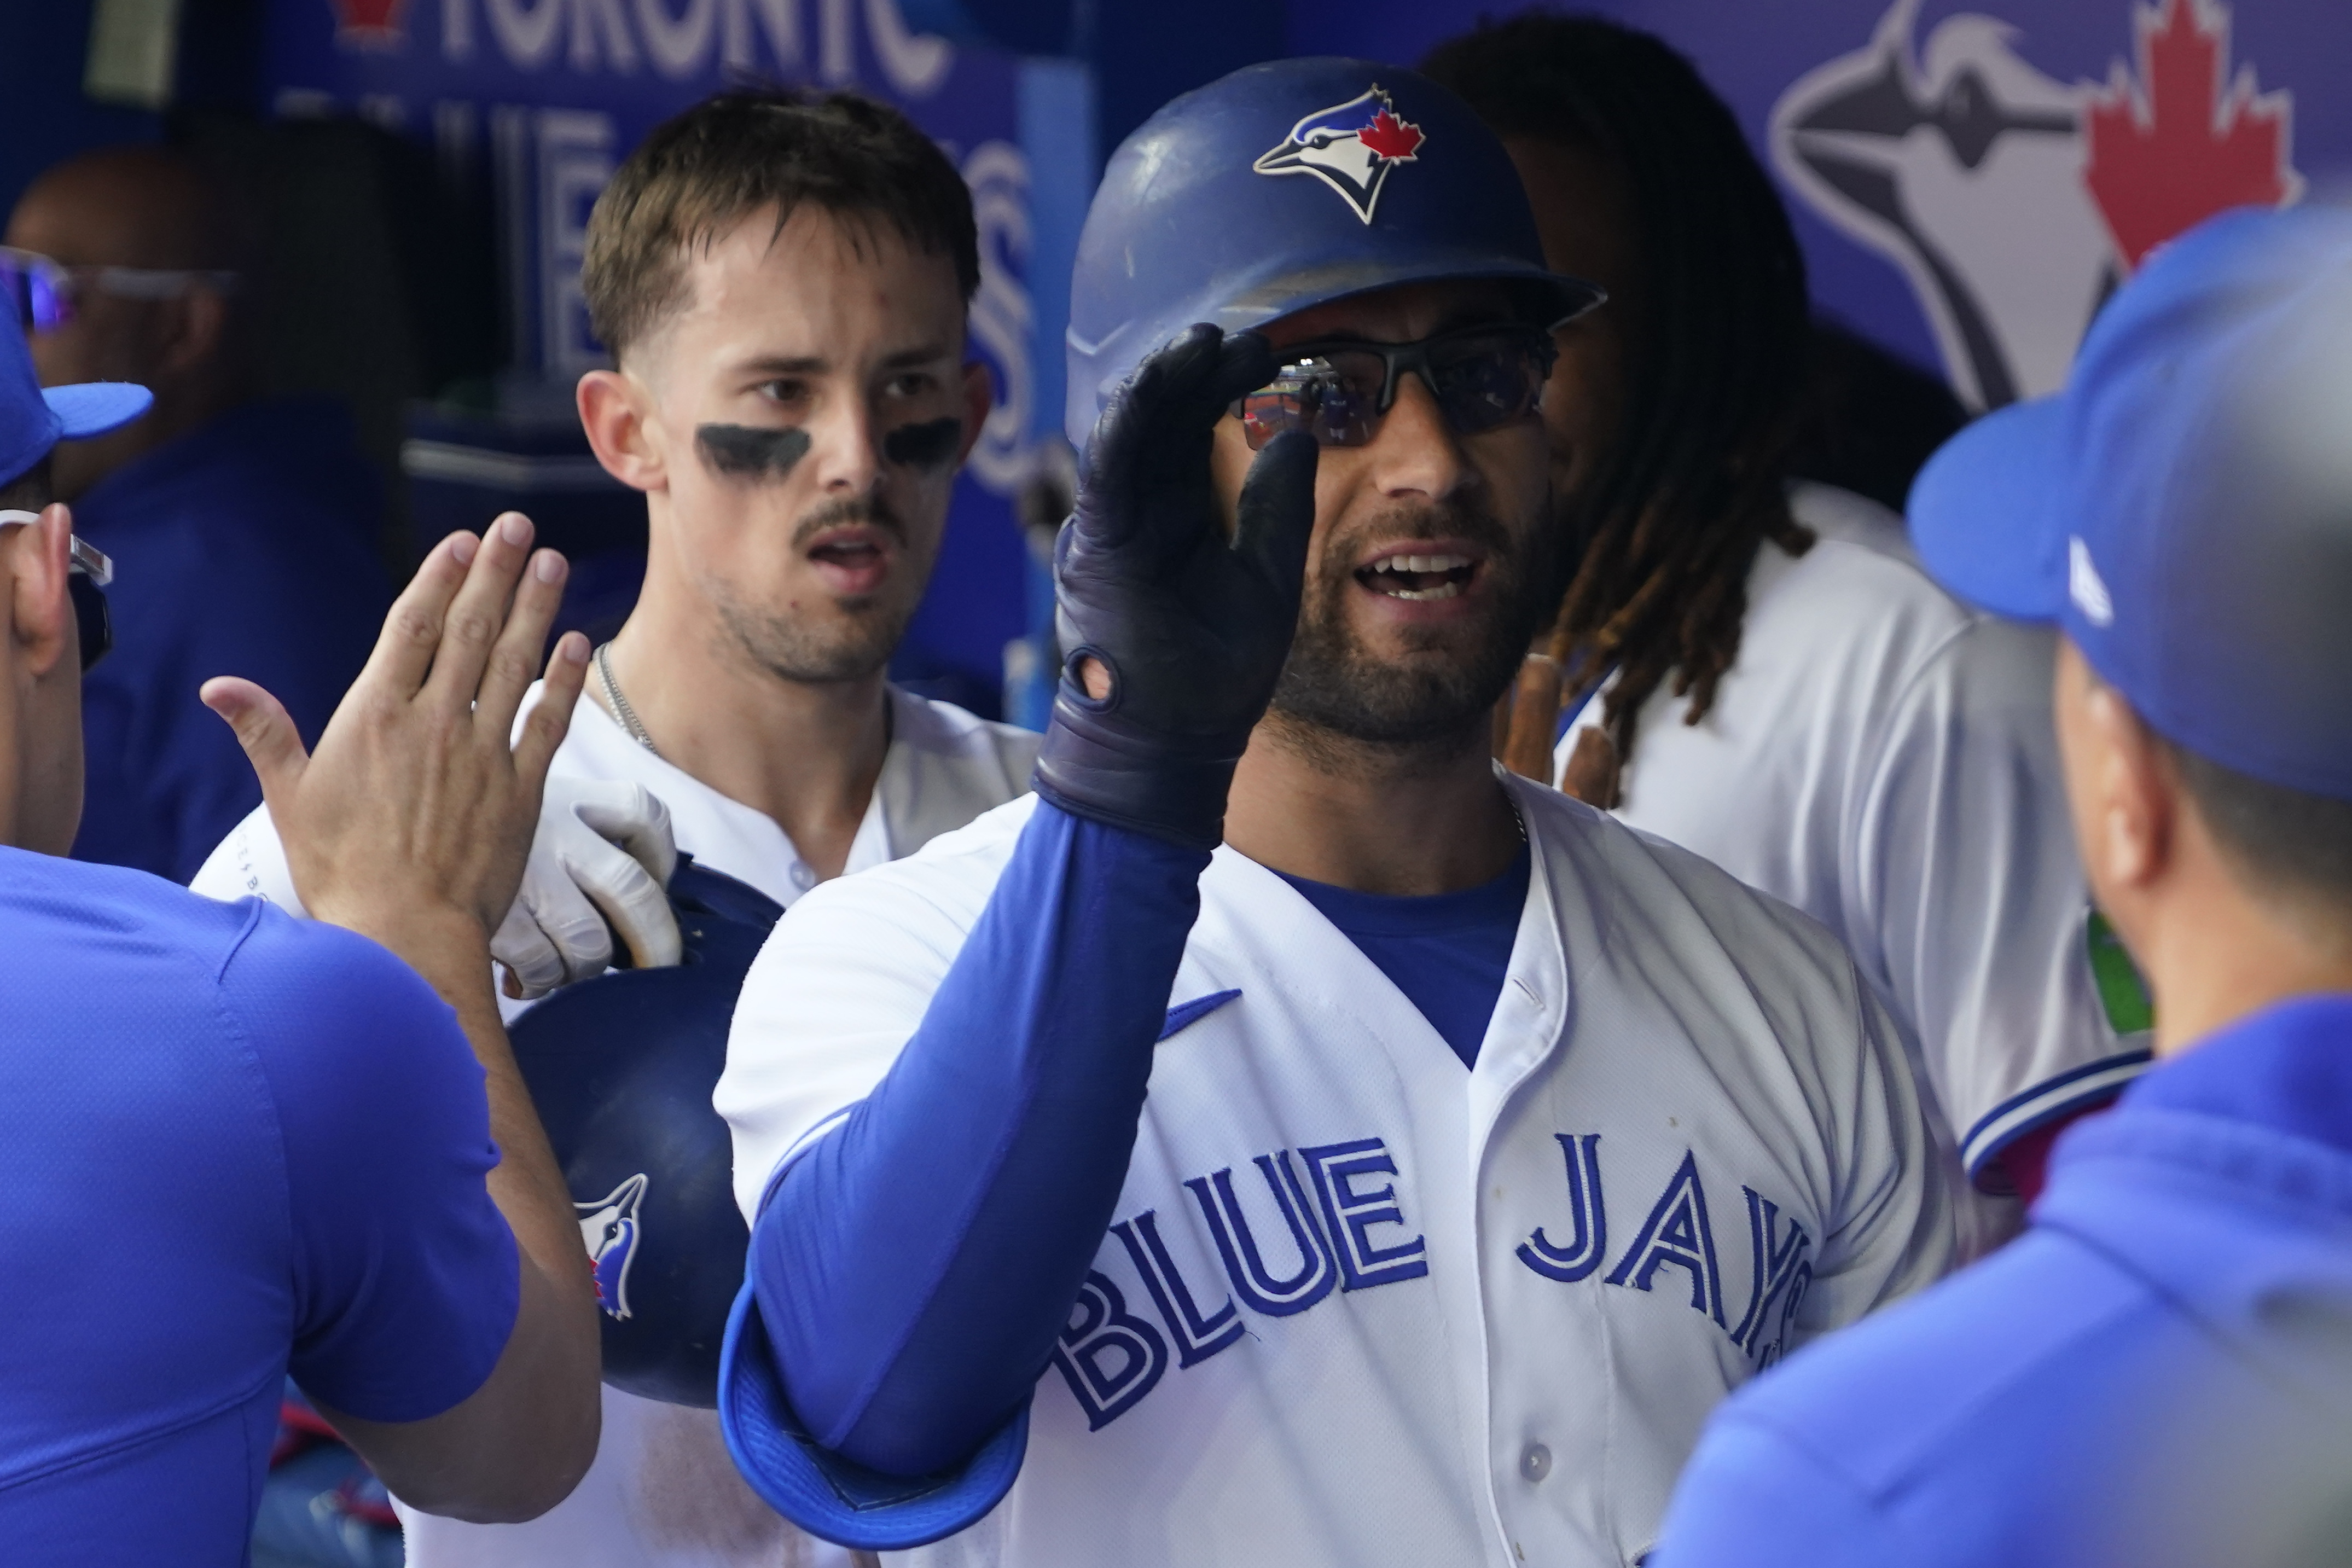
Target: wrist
x,y
1093,766
446,945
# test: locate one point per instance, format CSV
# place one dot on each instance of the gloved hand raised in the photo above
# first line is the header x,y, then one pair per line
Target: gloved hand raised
x,y
1191,629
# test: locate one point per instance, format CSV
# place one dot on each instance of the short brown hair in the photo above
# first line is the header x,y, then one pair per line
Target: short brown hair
x,y
741,151
28,491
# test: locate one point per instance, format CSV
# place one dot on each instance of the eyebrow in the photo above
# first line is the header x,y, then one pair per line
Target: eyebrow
x,y
813,364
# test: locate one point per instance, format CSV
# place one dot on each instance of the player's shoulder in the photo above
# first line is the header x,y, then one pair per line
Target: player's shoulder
x,y
943,885
947,766
1628,872
242,972
1861,579
941,728
111,917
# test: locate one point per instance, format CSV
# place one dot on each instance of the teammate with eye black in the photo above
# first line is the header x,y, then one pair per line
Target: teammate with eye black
x,y
782,280
1286,1138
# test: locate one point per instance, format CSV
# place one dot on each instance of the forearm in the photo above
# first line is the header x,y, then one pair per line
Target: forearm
x,y
915,1265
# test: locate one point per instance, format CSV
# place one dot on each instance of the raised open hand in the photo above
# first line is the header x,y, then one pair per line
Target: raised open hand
x,y
412,820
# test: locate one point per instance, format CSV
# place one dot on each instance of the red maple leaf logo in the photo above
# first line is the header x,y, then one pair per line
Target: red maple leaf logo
x,y
1390,137
369,23
2161,160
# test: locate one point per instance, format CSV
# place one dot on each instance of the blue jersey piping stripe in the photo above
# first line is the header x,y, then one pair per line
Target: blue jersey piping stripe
x,y
2022,1113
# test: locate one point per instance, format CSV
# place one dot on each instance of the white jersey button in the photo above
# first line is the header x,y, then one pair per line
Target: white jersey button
x,y
803,878
1534,1462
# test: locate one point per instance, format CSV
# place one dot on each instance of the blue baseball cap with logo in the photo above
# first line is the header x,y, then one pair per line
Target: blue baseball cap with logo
x,y
32,421
2183,510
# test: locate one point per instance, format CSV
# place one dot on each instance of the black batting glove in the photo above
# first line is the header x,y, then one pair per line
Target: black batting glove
x,y
1193,630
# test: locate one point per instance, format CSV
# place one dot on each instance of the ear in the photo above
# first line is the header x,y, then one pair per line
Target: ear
x,y
978,397
195,329
616,411
2127,795
41,611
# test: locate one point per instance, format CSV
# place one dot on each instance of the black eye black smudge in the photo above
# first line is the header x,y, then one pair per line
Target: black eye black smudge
x,y
750,452
929,447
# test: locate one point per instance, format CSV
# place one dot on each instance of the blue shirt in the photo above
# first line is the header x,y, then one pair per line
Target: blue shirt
x,y
235,1144
1448,953
246,547
2159,1373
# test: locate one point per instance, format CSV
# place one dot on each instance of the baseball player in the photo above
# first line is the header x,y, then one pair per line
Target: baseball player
x,y
2157,1374
1779,686
238,1146
1283,1139
781,279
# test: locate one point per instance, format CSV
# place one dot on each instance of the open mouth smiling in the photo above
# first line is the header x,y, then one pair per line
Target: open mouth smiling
x,y
1437,575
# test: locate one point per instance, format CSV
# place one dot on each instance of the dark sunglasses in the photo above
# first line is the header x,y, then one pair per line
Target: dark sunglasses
x,y
91,569
1338,391
42,291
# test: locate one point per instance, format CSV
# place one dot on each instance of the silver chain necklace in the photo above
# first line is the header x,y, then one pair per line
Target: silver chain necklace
x,y
620,704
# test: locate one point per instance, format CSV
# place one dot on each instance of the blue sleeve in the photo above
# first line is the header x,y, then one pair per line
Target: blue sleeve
x,y
406,1279
913,1268
1752,1498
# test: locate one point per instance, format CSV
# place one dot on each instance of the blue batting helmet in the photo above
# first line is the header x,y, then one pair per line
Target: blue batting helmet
x,y
621,1069
1285,185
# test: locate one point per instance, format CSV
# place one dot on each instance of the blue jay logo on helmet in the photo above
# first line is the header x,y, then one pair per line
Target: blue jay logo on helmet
x,y
610,1229
1351,147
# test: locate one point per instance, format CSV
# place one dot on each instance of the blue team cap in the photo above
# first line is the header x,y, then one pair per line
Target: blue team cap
x,y
826,1495
2183,510
32,421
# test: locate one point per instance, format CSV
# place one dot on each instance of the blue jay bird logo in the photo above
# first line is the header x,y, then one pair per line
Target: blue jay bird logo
x,y
1349,147
610,1230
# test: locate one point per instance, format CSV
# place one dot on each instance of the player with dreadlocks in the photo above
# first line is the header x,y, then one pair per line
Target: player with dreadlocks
x,y
1850,738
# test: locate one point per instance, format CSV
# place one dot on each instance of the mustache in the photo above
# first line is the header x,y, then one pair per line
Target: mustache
x,y
872,512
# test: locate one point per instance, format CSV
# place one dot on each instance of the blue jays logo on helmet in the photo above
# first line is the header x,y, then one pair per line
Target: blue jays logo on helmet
x,y
610,1229
1351,147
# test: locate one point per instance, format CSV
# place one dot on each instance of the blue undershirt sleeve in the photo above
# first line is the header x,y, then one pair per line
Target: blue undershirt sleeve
x,y
913,1268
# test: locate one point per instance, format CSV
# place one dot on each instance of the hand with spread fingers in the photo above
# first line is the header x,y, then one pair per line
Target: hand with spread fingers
x,y
1190,629
412,821
410,824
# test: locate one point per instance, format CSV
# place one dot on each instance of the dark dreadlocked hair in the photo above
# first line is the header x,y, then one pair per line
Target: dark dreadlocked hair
x,y
1672,522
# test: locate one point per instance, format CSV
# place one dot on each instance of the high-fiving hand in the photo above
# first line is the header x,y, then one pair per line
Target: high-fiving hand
x,y
1191,630
411,821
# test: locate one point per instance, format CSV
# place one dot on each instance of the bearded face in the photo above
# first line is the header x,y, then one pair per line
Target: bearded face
x,y
1416,684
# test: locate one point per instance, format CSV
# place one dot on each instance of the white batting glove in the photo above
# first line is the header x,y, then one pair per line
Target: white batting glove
x,y
604,852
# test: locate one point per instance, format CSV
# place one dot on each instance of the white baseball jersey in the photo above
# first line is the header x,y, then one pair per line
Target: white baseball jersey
x,y
662,1493
1884,758
1360,1306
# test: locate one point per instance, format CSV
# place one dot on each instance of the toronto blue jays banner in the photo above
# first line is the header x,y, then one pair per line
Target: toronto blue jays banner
x,y
545,96
1971,179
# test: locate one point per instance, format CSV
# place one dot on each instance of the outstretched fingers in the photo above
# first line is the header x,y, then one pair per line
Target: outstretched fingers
x,y
477,613
551,716
1162,399
412,632
513,662
1275,519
